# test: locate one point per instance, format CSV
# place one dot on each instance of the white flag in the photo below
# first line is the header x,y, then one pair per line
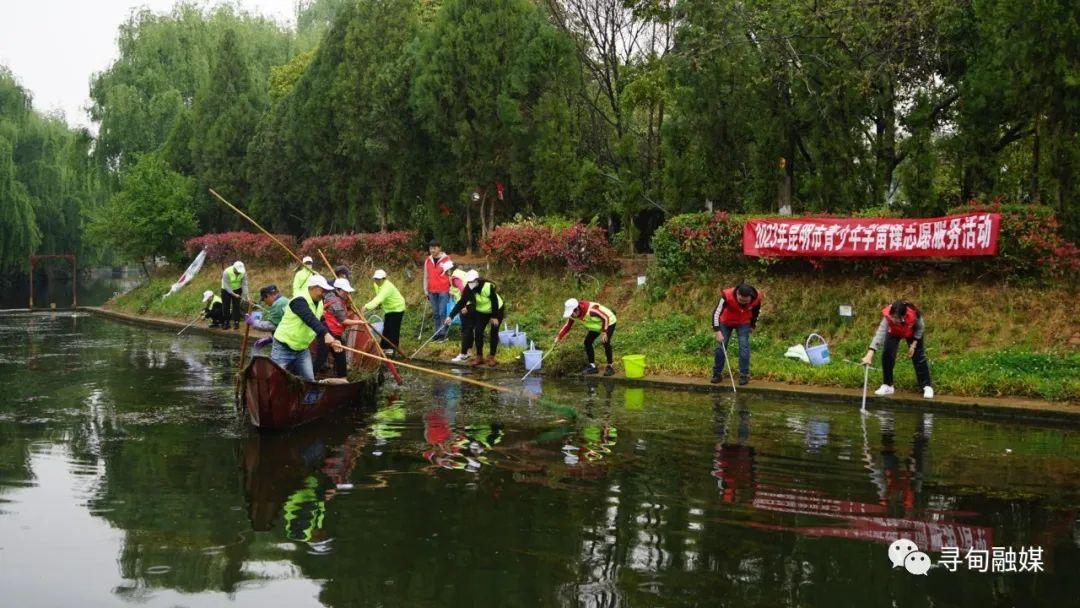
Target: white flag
x,y
192,270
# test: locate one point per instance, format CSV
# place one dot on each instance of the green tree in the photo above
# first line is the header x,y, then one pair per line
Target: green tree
x,y
151,215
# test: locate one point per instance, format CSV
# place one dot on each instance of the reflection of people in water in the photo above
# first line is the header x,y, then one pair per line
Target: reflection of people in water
x,y
899,481
304,511
733,463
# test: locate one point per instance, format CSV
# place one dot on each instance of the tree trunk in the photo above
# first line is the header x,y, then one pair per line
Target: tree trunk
x,y
468,226
1033,189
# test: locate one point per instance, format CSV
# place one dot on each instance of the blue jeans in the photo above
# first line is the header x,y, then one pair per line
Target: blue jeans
x,y
438,310
744,350
297,362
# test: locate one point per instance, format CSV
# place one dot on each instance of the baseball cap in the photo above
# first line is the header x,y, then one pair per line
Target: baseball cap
x,y
471,276
569,307
343,284
206,295
307,260
379,274
447,266
267,290
317,280
238,266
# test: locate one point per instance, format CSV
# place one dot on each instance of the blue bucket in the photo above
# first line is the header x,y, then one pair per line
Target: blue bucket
x,y
819,355
450,307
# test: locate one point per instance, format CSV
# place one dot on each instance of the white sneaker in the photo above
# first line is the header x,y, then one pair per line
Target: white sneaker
x,y
883,390
928,392
460,359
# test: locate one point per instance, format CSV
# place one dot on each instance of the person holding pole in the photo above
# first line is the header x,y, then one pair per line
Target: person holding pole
x,y
737,311
437,287
393,304
900,321
233,289
488,308
458,285
299,327
599,321
336,318
212,310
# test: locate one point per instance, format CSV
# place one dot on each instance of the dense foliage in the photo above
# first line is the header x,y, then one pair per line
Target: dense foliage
x,y
534,244
228,247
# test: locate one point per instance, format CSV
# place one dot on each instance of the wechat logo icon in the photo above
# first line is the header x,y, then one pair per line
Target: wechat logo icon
x,y
904,553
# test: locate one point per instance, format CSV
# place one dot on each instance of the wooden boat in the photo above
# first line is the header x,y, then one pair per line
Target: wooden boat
x,y
276,399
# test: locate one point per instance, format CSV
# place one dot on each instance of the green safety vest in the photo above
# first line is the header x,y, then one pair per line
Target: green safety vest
x,y
483,299
300,279
216,299
292,331
592,323
454,291
277,310
236,279
388,297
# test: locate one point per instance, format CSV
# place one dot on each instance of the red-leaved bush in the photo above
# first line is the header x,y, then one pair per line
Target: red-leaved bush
x,y
227,247
384,248
1030,241
578,248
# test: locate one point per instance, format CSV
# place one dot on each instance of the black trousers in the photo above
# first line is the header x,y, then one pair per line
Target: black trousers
x,y
215,315
340,364
466,331
591,337
391,329
888,361
230,306
481,322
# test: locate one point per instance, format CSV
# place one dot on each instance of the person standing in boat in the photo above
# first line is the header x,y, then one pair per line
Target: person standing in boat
x,y
488,308
392,302
300,278
234,288
212,309
599,321
900,321
458,284
335,317
299,327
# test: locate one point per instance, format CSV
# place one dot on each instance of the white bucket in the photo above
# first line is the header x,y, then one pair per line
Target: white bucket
x,y
818,355
532,359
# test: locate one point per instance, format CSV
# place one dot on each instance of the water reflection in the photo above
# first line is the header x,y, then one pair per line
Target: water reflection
x,y
444,494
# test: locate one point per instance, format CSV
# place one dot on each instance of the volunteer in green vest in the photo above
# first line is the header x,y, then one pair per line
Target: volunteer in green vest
x,y
393,305
300,279
457,285
213,308
599,320
299,327
233,288
488,308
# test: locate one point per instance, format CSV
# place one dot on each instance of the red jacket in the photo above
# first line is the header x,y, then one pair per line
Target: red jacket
x,y
437,282
729,312
906,329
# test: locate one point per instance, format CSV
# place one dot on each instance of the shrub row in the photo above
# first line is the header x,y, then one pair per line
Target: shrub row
x,y
1029,245
391,248
532,244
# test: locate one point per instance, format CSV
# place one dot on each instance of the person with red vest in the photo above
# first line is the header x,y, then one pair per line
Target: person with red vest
x,y
737,311
337,320
437,287
599,322
900,321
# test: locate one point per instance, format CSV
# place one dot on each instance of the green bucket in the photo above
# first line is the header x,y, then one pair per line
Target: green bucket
x,y
634,398
634,366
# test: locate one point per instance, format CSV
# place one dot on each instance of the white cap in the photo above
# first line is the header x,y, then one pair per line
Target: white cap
x,y
206,295
307,260
569,307
471,276
238,266
447,266
317,280
379,274
343,284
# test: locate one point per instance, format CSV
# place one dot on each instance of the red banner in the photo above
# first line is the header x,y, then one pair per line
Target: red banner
x,y
953,236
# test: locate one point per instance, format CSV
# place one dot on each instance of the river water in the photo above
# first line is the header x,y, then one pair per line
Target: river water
x,y
126,478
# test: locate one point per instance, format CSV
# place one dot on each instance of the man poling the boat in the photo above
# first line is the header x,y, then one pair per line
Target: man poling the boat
x,y
457,286
900,321
487,307
335,317
233,289
737,311
212,309
300,278
599,321
299,327
392,302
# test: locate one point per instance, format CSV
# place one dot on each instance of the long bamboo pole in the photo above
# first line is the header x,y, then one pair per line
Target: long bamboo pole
x,y
367,326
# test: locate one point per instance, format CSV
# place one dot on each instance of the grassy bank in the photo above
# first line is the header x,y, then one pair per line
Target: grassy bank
x,y
983,339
